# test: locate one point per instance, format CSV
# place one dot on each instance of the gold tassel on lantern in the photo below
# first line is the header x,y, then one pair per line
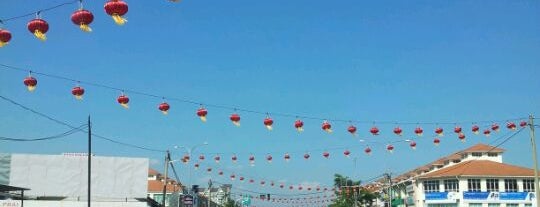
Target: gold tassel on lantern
x,y
78,97
2,44
236,123
125,105
300,129
203,118
328,130
269,127
31,88
165,112
85,28
40,35
119,20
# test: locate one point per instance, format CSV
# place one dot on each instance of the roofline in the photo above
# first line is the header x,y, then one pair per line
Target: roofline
x,y
478,176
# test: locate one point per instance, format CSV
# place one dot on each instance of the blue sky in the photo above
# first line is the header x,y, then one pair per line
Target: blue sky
x,y
421,61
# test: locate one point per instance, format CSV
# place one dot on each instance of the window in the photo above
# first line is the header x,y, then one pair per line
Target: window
x,y
463,156
451,185
474,185
492,185
528,205
493,154
475,205
512,205
528,185
494,205
510,185
456,161
431,186
477,154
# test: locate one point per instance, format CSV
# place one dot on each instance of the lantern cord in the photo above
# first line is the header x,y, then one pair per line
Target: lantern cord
x,y
58,136
260,193
41,10
73,127
234,108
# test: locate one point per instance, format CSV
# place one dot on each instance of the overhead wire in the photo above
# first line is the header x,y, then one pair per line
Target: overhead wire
x,y
39,11
58,136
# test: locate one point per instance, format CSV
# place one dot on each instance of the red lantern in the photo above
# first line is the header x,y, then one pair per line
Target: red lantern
x,y
287,157
318,189
419,131
281,185
327,127
83,18
495,127
299,125
251,181
352,129
201,157
457,130
262,183
196,166
398,131
269,158
38,27
413,145
5,37
291,187
300,188
30,83
523,124
241,179
367,151
235,118
186,158
123,100
268,123
347,153
309,188
326,154
436,141
461,137
475,129
78,92
234,158
251,160
233,177
272,184
202,112
439,131
511,125
209,170
390,148
306,156
164,108
374,130
220,173
487,132
116,9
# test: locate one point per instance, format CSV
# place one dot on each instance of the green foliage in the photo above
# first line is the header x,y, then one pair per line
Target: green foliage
x,y
362,197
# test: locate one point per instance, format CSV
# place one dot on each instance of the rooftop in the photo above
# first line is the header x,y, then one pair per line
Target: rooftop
x,y
481,168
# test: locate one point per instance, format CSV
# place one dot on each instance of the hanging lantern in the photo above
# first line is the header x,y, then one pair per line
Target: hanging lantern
x,y
269,158
309,188
367,151
475,129
413,145
83,18
306,156
495,127
291,187
347,153
272,184
352,129
287,157
164,108
398,131
251,181
241,179
233,177
209,170
318,189
419,131
457,130
251,160
439,131
262,183
281,185
299,125
268,123
30,83
123,100
487,132
436,141
523,124
217,158
201,157
220,173
326,154
116,9
234,158
38,27
327,127
202,112
5,37
374,130
186,158
511,125
390,148
78,92
235,118
196,166
300,188
461,137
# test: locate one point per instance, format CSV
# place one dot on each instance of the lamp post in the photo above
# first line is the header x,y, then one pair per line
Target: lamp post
x,y
189,151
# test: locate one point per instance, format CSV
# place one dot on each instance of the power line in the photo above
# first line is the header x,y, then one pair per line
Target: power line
x,y
39,11
58,136
240,109
73,127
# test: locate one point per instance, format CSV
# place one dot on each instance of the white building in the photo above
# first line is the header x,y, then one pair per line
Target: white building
x,y
474,177
218,195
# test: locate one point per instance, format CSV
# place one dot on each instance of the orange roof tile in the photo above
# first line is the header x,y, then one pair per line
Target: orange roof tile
x,y
483,148
156,186
153,172
481,168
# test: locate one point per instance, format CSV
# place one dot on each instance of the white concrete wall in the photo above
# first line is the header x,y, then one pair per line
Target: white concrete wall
x,y
30,203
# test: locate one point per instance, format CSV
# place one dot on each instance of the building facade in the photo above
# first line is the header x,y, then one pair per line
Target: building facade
x,y
155,187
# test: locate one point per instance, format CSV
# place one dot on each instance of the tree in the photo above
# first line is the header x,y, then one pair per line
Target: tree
x,y
349,192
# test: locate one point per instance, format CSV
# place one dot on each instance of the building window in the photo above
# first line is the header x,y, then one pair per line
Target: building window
x,y
477,154
528,185
492,185
493,154
456,161
475,205
431,186
528,205
474,185
463,156
510,185
451,185
512,205
494,205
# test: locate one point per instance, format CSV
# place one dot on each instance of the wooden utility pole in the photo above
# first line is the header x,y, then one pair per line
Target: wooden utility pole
x,y
89,161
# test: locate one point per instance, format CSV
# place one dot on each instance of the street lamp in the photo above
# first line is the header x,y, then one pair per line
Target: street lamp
x,y
189,151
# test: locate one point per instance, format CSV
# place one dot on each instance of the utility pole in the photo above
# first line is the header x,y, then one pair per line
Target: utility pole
x,y
208,201
389,177
167,160
89,161
533,143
